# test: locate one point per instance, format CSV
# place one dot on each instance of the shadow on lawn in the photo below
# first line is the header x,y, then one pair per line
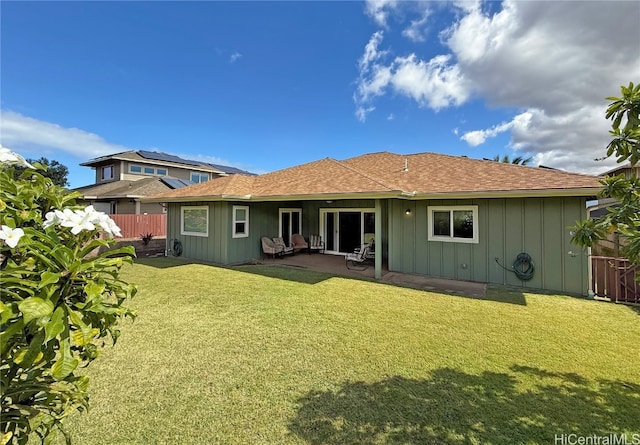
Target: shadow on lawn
x,y
454,407
289,273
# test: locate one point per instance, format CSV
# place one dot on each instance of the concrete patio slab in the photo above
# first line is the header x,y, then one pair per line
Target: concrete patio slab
x,y
335,264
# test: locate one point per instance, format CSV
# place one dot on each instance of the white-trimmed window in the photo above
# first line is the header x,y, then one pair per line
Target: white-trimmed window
x,y
240,221
107,172
161,171
198,177
135,168
457,224
194,220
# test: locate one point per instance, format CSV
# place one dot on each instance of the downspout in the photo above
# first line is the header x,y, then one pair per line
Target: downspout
x,y
378,240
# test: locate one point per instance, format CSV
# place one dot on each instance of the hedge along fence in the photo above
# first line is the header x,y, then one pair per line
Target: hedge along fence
x,y
132,226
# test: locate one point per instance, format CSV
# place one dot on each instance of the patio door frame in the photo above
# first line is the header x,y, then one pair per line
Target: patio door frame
x,y
336,228
290,211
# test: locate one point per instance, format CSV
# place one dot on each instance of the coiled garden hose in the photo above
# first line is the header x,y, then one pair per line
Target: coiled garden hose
x,y
523,267
175,247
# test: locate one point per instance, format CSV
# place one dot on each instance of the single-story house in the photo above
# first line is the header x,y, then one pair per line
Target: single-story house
x,y
430,214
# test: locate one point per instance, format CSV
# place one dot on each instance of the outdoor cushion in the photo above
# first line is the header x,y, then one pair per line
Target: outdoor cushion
x,y
299,242
285,249
316,243
269,247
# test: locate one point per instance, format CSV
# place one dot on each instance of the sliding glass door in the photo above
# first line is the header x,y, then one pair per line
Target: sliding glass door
x,y
343,230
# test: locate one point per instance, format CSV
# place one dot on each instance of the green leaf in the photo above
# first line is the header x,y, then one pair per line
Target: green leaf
x,y
34,307
94,290
26,356
55,326
66,363
7,333
83,337
48,278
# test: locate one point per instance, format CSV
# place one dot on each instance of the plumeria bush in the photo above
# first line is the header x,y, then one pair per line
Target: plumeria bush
x,y
60,301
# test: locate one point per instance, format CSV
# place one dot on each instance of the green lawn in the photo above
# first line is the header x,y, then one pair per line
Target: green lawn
x,y
274,355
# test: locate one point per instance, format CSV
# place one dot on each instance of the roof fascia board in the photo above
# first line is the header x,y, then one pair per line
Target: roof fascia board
x,y
200,167
542,193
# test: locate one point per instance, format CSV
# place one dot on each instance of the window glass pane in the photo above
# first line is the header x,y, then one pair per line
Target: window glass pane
x,y
135,169
441,223
195,177
204,177
241,214
107,172
463,224
149,170
240,227
195,220
161,171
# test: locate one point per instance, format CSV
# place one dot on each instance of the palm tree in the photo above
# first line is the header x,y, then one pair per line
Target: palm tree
x,y
518,160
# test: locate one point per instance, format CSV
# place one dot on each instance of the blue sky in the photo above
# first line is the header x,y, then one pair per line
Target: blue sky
x,y
267,85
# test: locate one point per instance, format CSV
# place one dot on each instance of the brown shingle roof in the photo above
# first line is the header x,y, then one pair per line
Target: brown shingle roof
x,y
438,173
383,174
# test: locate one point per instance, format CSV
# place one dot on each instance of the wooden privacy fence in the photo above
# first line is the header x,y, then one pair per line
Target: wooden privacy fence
x,y
132,226
615,279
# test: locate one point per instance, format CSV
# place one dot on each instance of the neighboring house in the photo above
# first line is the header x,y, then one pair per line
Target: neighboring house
x,y
612,244
122,179
429,214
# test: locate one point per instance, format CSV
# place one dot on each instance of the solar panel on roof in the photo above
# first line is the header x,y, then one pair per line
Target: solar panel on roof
x,y
227,169
175,183
154,155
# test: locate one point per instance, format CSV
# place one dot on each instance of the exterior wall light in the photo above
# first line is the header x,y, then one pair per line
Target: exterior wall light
x,y
407,212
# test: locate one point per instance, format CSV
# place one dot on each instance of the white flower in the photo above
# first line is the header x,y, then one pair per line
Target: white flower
x,y
66,217
79,220
108,225
51,219
9,157
11,236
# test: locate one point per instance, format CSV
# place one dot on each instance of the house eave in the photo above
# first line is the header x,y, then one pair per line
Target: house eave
x,y
541,193
205,168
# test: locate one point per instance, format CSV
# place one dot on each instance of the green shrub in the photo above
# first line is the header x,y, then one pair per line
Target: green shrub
x,y
60,303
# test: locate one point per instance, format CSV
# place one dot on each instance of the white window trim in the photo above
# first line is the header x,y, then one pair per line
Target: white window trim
x,y
182,210
451,238
289,210
135,165
244,234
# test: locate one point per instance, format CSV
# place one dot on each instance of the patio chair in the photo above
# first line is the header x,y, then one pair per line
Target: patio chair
x,y
316,243
299,243
371,255
269,247
286,250
358,260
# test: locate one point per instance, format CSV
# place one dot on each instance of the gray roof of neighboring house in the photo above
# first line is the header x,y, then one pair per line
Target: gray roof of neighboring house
x,y
153,157
132,189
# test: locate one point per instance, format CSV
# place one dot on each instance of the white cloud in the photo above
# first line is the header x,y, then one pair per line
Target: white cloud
x,y
390,117
435,83
33,136
378,10
477,137
417,28
235,56
554,61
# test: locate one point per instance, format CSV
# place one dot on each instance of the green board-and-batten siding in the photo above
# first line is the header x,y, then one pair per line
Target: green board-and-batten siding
x,y
220,247
538,226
